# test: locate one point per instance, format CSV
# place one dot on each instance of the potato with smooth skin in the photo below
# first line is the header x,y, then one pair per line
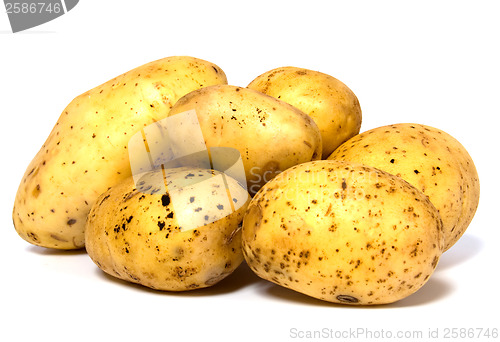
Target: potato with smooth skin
x,y
86,152
332,105
428,158
342,232
142,237
270,135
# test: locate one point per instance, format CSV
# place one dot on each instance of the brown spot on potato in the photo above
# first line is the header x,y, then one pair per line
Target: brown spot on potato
x,y
347,299
104,198
231,236
36,191
435,262
131,194
255,216
161,225
215,279
165,200
58,238
271,168
328,210
33,237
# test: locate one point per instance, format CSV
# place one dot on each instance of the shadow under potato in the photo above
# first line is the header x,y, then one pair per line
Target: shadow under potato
x,y
52,251
466,248
434,290
287,295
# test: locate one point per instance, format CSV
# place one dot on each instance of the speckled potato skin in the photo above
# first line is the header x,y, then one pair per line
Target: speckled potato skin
x,y
86,152
332,105
343,233
428,158
136,237
270,135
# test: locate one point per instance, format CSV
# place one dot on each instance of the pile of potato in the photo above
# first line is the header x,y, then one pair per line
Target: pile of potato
x,y
337,215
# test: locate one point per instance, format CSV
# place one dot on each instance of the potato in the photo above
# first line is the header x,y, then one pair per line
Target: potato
x,y
86,152
331,104
270,134
343,233
141,233
428,158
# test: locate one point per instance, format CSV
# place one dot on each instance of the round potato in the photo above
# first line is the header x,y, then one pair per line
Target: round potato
x,y
182,238
428,158
342,232
270,135
332,105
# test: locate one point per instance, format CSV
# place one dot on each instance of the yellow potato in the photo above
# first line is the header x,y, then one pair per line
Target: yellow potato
x,y
145,235
270,135
86,152
332,105
428,158
343,233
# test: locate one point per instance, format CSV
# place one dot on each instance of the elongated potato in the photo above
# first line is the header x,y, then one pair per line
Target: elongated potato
x,y
332,105
342,232
428,158
270,135
86,152
187,237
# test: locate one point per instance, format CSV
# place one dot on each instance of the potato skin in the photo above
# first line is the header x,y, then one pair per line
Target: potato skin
x,y
270,135
343,233
428,158
332,105
136,237
86,152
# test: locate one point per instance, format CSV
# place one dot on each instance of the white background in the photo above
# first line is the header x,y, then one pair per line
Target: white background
x,y
429,62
